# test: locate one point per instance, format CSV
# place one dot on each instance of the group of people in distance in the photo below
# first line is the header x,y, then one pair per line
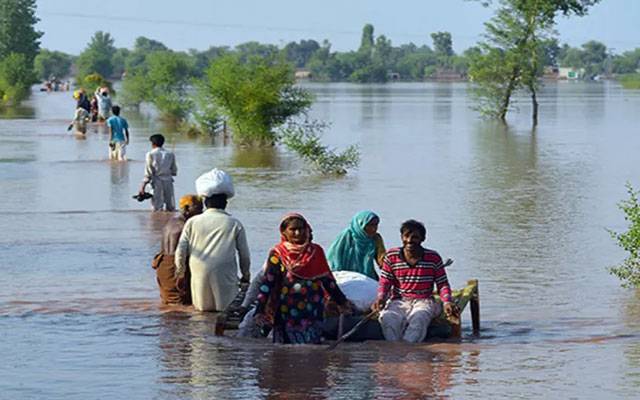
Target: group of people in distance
x,y
100,109
289,294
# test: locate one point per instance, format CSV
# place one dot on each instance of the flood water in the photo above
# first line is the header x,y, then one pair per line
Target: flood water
x,y
525,212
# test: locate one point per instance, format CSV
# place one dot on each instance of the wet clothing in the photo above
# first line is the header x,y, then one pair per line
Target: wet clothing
x,y
165,275
208,244
83,102
297,301
118,151
119,128
104,106
80,120
164,264
163,196
408,319
399,280
248,326
160,168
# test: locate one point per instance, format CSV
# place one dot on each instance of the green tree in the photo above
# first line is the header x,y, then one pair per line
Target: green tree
x,y
594,57
97,58
300,53
162,81
256,96
627,63
366,42
17,29
515,38
249,50
142,47
119,61
16,77
629,270
442,44
52,63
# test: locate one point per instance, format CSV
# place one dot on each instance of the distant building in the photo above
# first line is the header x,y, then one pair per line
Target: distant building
x,y
303,74
393,76
571,74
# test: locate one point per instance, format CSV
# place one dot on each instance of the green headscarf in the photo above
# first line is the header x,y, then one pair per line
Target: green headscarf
x,y
353,249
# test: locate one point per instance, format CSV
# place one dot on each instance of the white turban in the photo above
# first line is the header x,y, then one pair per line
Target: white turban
x,y
213,182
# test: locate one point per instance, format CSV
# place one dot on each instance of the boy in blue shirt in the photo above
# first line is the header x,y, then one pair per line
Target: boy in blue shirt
x,y
119,135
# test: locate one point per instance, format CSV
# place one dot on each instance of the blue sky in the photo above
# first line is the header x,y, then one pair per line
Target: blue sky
x,y
69,24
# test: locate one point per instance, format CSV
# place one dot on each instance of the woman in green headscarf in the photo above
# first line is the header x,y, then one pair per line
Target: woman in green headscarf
x,y
358,246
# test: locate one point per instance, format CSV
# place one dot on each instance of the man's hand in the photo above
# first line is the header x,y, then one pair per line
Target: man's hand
x,y
379,305
451,309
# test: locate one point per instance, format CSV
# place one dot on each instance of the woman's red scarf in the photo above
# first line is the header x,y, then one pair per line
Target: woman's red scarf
x,y
306,261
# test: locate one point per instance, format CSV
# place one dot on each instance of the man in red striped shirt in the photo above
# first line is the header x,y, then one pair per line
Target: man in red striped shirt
x,y
406,280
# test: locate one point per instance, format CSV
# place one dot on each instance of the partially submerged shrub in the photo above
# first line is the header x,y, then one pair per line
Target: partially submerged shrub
x,y
16,78
303,138
629,270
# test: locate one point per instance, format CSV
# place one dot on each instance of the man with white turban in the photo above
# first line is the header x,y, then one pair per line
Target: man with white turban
x,y
209,243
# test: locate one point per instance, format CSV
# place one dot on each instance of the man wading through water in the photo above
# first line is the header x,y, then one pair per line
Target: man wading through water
x,y
164,262
209,244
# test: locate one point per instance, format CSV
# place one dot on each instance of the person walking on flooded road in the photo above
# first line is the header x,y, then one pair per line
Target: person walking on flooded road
x,y
104,103
164,261
118,136
209,244
159,170
79,122
407,278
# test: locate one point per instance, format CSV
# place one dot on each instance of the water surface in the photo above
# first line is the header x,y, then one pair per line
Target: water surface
x,y
524,211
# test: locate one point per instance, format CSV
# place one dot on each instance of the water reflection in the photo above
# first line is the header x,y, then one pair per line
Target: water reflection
x,y
374,104
255,157
19,112
442,102
414,374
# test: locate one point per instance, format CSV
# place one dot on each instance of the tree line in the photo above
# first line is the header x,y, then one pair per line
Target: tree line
x,y
375,61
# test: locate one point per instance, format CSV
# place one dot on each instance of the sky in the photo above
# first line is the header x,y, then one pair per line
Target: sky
x,y
197,24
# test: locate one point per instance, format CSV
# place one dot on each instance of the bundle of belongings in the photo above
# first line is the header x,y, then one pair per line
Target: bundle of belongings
x,y
215,182
358,288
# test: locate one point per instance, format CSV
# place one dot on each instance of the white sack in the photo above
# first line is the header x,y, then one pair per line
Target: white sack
x,y
358,288
213,182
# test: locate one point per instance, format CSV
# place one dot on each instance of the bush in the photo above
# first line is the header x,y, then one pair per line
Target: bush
x,y
629,270
256,96
161,80
303,138
630,81
16,78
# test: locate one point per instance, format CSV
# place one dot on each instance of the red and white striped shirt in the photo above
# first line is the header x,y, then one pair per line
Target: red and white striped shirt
x,y
400,280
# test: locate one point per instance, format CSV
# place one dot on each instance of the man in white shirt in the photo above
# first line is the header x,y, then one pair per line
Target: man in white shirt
x,y
208,244
159,170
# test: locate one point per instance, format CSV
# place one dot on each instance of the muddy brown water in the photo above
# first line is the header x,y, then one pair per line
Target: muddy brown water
x,y
525,212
